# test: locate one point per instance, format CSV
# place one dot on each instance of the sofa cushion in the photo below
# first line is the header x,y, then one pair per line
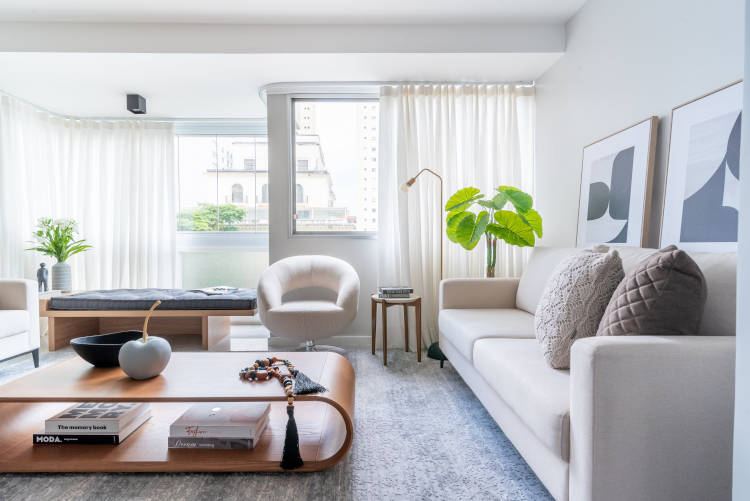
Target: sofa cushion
x,y
142,299
537,393
13,322
464,327
664,295
536,273
632,256
574,301
720,271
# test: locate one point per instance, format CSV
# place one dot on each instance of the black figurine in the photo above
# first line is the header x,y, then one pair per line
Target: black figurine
x,y
41,277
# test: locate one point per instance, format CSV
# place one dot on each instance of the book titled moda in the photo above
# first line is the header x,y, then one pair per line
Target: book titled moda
x,y
93,423
226,425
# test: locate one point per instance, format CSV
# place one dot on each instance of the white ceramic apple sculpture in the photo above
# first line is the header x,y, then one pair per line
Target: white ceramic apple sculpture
x,y
147,357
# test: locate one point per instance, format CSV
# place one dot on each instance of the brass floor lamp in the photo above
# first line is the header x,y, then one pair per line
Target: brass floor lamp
x,y
434,350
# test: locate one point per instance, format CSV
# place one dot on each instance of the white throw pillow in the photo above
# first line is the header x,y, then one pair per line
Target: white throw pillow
x,y
574,301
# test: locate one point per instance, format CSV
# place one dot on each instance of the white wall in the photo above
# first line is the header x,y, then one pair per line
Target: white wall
x,y
361,253
740,478
626,61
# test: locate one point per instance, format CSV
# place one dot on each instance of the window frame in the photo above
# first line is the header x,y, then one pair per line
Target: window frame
x,y
292,215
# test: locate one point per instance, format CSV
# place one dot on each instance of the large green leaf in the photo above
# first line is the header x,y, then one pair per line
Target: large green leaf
x,y
453,223
520,200
505,234
462,199
479,226
464,229
533,219
499,201
512,229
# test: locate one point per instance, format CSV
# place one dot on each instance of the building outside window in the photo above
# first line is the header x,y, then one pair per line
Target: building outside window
x,y
335,145
237,194
216,175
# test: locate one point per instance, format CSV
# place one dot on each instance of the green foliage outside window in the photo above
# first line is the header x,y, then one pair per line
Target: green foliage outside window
x,y
204,218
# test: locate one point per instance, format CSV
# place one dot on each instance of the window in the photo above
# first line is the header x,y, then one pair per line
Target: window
x,y
219,179
330,172
222,227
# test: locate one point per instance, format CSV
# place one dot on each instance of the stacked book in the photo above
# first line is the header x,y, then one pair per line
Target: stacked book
x,y
228,425
105,423
394,292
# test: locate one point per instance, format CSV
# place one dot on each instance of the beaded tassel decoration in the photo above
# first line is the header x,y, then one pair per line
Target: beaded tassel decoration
x,y
269,368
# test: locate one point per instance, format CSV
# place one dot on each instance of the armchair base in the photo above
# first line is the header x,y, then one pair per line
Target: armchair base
x,y
34,356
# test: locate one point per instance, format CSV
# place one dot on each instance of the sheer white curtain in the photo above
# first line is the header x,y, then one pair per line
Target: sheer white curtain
x,y
472,135
115,178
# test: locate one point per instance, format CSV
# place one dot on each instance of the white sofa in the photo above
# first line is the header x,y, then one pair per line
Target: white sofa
x,y
19,319
635,417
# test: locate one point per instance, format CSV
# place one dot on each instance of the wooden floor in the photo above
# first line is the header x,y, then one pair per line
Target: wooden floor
x,y
324,420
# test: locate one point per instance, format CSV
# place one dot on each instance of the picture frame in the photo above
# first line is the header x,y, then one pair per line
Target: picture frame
x,y
614,204
700,207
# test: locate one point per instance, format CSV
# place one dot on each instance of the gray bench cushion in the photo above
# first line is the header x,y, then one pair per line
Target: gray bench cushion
x,y
142,299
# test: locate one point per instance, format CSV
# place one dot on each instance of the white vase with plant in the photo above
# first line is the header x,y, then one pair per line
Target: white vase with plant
x,y
58,238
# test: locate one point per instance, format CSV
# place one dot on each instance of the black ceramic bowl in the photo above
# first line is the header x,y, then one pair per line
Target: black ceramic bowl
x,y
102,350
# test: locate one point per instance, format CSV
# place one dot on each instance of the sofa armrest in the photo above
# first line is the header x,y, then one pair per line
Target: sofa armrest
x,y
651,417
22,295
462,293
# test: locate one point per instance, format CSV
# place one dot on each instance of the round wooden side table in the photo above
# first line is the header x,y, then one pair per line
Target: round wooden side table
x,y
385,303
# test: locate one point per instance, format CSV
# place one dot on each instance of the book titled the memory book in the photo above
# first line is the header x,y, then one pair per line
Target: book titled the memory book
x,y
225,425
94,417
71,428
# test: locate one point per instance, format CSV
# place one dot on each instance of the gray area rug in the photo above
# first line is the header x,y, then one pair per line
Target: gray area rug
x,y
420,433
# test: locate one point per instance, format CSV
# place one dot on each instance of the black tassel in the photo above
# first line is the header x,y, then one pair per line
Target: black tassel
x,y
290,458
303,384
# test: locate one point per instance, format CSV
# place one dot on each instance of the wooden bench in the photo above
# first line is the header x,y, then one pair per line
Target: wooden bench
x,y
64,325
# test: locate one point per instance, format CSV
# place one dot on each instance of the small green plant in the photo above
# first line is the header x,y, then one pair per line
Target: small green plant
x,y
516,227
57,238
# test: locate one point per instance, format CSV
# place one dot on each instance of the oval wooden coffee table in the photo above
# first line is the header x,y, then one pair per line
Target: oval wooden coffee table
x,y
324,420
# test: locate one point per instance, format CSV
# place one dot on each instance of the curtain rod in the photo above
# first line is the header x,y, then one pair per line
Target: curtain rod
x,y
122,119
369,86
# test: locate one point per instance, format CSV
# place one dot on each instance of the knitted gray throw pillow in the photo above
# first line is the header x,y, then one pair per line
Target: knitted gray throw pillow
x,y
573,302
664,295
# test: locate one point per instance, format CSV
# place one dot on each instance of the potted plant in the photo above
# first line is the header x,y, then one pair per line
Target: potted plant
x,y
57,238
519,226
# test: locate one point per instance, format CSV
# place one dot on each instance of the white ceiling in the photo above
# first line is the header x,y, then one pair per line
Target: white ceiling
x,y
226,85
291,11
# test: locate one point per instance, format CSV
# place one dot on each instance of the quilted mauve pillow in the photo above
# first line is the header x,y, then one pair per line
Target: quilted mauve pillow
x,y
573,302
664,295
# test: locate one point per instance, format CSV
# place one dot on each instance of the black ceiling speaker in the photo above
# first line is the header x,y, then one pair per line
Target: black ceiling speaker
x,y
136,104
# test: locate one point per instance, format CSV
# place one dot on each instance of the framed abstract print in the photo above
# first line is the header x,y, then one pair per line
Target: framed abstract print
x,y
615,194
701,196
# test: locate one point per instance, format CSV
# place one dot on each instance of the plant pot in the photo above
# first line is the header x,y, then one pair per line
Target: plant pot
x,y
61,279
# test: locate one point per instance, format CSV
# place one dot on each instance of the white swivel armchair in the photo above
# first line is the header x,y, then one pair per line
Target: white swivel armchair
x,y
19,319
308,320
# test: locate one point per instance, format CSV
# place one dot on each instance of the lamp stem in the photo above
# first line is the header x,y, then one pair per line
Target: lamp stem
x,y
440,178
